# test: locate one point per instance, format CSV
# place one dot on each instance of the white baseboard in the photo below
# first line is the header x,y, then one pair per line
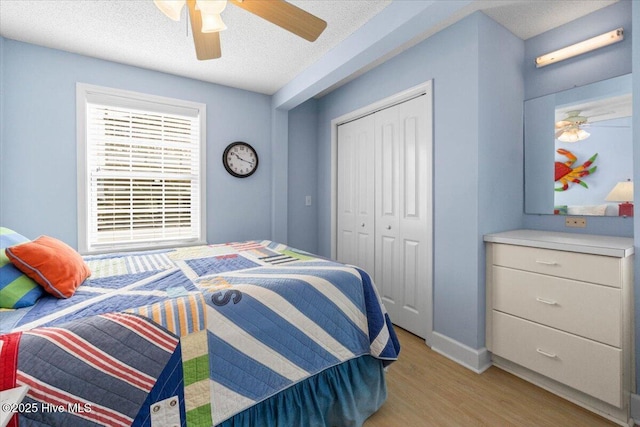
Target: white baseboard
x,y
477,360
634,407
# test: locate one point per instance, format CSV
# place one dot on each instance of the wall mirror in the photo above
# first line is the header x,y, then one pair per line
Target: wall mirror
x,y
578,147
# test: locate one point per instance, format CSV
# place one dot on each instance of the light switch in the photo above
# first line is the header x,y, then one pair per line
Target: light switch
x,y
307,201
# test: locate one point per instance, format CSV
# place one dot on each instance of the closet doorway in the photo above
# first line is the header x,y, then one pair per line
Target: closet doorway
x,y
382,202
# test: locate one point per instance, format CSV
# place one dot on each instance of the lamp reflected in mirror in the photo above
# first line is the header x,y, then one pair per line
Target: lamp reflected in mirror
x,y
622,192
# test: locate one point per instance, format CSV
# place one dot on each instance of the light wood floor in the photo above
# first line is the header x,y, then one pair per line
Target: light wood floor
x,y
427,389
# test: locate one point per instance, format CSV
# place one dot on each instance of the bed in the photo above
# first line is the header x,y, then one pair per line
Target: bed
x,y
239,334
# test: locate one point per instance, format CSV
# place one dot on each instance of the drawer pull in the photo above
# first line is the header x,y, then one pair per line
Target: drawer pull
x,y
538,261
546,301
544,353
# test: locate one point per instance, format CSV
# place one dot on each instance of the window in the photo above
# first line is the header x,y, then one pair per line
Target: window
x,y
141,170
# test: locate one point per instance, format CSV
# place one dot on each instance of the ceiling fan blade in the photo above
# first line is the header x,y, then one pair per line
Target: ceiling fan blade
x,y
285,15
610,126
207,44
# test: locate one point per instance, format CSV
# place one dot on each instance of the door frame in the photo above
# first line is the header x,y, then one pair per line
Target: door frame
x,y
390,101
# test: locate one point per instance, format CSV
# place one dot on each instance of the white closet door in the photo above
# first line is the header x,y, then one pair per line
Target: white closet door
x,y
387,275
403,144
355,216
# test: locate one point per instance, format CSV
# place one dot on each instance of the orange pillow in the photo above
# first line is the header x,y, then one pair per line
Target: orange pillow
x,y
53,264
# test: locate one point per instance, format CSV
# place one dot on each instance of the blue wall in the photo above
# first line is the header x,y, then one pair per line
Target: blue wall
x,y
303,172
500,144
467,61
38,153
604,63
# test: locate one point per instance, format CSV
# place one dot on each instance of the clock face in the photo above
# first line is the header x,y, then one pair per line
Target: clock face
x,y
240,159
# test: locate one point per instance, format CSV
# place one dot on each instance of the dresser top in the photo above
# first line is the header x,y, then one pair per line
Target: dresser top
x,y
584,243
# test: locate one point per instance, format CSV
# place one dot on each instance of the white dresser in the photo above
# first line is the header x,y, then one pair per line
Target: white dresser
x,y
560,314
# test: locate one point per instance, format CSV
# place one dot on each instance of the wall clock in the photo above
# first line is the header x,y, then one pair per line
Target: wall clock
x,y
240,159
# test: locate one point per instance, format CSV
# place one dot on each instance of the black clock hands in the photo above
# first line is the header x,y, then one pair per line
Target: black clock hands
x,y
244,160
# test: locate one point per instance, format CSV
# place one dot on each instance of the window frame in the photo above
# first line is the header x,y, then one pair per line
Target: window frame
x,y
137,100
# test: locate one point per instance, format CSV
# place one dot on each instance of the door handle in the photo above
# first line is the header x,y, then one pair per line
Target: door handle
x,y
388,227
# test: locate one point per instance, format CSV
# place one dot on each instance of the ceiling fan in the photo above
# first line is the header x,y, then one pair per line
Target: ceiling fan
x,y
572,127
206,22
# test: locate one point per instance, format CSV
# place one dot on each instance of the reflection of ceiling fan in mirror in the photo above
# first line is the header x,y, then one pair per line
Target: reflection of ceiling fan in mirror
x,y
206,22
573,120
570,129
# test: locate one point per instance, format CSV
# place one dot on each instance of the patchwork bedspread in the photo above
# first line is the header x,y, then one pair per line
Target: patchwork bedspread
x,y
99,370
248,319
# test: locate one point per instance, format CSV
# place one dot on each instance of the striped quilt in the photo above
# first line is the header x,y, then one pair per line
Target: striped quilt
x,y
100,370
248,320
146,283
277,316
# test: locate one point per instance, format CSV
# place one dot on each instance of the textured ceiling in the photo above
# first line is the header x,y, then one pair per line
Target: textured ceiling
x,y
256,55
526,18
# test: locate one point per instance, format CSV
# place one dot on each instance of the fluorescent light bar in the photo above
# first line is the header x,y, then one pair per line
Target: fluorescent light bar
x,y
580,48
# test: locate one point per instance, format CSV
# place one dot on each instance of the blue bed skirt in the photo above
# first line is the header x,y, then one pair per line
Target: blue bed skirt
x,y
344,395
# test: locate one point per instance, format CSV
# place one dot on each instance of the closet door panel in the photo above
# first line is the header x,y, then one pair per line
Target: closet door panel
x,y
355,213
411,169
388,168
365,220
386,271
414,224
346,215
387,176
410,272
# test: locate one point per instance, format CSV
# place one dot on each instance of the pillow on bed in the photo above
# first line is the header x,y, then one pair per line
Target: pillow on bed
x,y
17,290
53,264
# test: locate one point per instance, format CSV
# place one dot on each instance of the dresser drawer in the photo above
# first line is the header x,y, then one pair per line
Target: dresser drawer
x,y
588,366
591,311
584,267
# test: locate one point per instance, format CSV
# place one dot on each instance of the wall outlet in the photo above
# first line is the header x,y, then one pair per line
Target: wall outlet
x,y
575,221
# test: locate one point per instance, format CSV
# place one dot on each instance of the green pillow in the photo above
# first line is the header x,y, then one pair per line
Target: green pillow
x,y
17,290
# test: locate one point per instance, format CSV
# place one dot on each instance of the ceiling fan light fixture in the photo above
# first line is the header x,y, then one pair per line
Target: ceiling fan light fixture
x,y
211,19
574,135
171,8
212,23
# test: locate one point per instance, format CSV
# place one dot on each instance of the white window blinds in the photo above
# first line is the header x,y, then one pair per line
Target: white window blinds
x,y
144,178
